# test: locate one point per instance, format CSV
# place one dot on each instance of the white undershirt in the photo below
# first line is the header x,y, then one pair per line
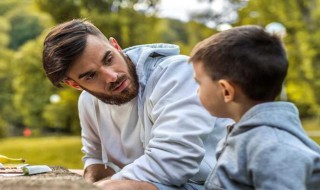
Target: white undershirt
x,y
123,124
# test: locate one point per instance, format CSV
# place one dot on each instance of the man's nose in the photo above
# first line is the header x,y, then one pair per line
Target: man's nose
x,y
109,75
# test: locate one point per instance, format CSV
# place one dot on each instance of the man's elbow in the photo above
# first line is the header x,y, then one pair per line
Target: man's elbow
x,y
96,172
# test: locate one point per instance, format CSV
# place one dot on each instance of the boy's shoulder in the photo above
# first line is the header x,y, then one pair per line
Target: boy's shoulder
x,y
268,140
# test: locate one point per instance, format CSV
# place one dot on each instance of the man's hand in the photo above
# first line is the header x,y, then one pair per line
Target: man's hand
x,y
124,185
96,172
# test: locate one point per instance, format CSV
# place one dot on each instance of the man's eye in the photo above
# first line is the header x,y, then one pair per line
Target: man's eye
x,y
108,60
90,77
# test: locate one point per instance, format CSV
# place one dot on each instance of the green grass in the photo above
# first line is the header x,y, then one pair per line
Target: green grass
x,y
316,139
312,124
53,151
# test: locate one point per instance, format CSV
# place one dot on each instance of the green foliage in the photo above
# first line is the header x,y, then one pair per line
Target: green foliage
x,y
68,121
6,75
52,151
186,35
4,128
25,25
7,5
311,125
8,115
174,31
31,88
4,32
123,26
60,10
20,23
79,8
196,32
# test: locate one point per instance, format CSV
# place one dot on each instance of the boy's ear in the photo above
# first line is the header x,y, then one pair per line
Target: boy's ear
x,y
114,43
228,90
72,84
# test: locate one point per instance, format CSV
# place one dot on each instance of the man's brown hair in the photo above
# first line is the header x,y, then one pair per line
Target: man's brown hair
x,y
63,45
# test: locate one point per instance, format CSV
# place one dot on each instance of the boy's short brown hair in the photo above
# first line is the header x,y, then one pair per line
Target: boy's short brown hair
x,y
248,56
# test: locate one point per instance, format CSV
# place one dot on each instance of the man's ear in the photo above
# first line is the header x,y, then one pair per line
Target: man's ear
x,y
114,43
72,84
228,90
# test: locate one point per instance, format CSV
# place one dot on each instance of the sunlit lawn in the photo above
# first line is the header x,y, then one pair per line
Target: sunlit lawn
x,y
312,125
317,139
53,151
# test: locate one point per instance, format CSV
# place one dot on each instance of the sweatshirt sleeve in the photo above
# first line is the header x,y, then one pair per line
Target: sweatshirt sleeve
x,y
179,126
280,166
91,145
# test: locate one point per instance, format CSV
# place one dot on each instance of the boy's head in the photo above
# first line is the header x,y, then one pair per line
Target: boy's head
x,y
244,59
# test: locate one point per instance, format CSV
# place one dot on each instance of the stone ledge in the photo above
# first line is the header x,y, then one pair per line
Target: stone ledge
x,y
59,179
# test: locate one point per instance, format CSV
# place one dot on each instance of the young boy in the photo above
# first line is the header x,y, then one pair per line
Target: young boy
x,y
240,73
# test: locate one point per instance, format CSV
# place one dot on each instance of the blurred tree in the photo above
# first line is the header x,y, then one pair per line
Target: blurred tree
x,y
196,32
117,18
20,22
186,35
7,116
62,12
25,25
174,31
63,114
31,88
124,26
7,5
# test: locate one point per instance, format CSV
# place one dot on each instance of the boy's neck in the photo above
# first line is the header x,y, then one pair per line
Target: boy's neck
x,y
239,108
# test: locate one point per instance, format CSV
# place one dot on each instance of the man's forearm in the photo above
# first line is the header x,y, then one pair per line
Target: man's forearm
x,y
125,185
96,172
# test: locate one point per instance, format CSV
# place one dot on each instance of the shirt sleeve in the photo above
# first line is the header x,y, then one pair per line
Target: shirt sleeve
x,y
179,126
91,145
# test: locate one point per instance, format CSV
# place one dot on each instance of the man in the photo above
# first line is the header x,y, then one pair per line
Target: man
x,y
143,126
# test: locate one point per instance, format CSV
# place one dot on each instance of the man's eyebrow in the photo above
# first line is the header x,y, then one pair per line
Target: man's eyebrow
x,y
84,74
89,72
105,56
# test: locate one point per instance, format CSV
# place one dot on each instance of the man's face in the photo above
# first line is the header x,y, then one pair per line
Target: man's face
x,y
104,71
209,91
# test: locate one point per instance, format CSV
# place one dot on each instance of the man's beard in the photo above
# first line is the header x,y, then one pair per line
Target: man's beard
x,y
127,94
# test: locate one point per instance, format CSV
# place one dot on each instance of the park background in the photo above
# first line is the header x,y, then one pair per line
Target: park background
x,y
40,122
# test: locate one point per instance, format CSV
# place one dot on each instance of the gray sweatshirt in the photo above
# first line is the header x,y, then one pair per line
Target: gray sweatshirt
x,y
267,149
